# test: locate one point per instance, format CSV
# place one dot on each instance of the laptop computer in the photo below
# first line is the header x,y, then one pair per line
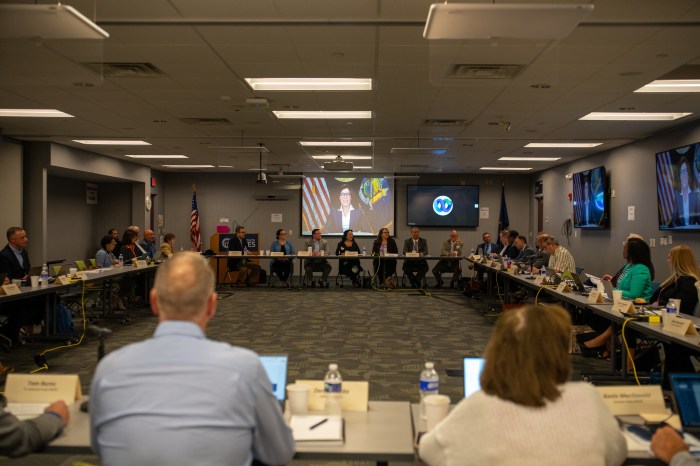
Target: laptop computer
x,y
276,369
686,395
607,286
472,375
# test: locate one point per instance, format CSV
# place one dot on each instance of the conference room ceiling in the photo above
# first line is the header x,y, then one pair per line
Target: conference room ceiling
x,y
183,90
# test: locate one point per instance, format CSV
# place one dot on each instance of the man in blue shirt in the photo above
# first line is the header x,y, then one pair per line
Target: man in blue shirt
x,y
180,398
149,243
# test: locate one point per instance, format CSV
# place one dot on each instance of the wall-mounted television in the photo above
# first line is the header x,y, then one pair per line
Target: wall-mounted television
x,y
678,188
335,204
442,206
591,199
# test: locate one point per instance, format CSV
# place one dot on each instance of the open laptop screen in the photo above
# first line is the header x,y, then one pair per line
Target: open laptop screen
x,y
686,392
472,375
276,369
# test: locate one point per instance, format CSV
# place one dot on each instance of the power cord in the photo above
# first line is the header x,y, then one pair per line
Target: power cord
x,y
627,349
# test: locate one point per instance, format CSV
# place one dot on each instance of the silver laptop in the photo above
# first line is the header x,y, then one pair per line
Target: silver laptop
x,y
607,286
472,375
276,369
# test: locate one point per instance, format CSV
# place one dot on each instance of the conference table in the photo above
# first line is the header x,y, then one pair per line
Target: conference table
x,y
381,434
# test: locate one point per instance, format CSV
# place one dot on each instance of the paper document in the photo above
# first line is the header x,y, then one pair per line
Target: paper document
x,y
316,428
595,280
25,411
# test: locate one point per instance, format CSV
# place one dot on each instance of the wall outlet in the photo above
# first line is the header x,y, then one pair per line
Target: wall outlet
x,y
575,233
612,193
289,232
662,241
546,220
670,239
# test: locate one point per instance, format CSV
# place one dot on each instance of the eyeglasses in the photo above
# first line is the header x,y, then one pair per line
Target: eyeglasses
x,y
344,194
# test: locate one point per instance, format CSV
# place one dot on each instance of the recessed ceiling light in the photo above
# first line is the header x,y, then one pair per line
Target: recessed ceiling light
x,y
323,115
363,167
33,113
531,159
310,84
336,143
225,166
157,156
111,142
188,166
515,169
568,145
630,116
346,157
672,85
242,149
257,169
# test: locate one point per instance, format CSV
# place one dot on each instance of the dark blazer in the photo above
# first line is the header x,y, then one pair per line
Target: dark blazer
x,y
511,251
391,247
693,210
525,254
334,222
341,248
408,246
236,244
482,246
10,265
684,289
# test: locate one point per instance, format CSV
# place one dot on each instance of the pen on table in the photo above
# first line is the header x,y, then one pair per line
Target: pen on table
x,y
318,424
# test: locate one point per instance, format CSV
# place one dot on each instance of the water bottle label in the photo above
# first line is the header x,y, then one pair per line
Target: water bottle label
x,y
426,386
332,387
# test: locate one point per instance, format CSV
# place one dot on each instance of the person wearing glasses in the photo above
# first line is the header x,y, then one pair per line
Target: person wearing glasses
x,y
451,247
282,266
346,217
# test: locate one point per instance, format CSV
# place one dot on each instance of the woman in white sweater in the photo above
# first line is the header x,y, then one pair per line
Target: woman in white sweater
x,y
527,412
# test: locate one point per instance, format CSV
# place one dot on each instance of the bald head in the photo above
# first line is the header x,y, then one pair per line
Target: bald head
x,y
184,288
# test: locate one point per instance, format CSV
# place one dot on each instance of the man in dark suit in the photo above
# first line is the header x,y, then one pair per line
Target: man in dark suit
x,y
509,250
525,251
244,266
487,247
415,268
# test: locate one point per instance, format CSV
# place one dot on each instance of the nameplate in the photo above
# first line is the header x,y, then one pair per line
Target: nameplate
x,y
276,253
595,297
355,395
563,288
304,253
42,388
140,264
235,253
680,326
538,280
412,254
391,254
10,289
62,280
488,263
513,270
352,253
626,400
81,275
624,306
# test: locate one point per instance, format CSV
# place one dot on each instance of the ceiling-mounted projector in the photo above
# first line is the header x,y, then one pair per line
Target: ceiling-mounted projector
x,y
338,165
262,178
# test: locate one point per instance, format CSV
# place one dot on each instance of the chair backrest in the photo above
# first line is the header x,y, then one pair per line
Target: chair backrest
x,y
81,265
655,286
93,262
57,270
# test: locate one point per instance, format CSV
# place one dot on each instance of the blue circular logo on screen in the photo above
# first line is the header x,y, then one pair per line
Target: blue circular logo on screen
x,y
442,205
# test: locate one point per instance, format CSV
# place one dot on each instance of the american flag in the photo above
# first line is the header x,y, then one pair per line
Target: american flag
x,y
317,203
664,187
194,224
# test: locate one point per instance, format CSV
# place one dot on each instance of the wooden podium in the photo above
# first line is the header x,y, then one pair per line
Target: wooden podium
x,y
218,242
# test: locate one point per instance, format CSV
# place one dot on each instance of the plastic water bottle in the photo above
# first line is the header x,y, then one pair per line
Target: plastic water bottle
x,y
364,251
245,250
121,259
429,385
543,274
472,251
44,277
671,312
333,389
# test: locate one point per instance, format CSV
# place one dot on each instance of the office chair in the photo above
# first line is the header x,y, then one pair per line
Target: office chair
x,y
81,265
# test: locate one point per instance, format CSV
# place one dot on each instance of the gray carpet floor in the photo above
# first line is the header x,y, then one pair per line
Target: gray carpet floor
x,y
383,337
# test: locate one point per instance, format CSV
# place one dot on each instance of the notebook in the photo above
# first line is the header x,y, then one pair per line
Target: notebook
x,y
472,375
276,369
686,394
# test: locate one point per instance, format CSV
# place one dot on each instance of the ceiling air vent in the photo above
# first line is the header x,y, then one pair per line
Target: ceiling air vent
x,y
207,121
462,71
125,70
446,122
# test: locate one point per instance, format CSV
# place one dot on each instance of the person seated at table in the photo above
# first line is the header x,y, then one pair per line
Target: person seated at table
x,y
148,244
527,411
415,268
508,239
319,247
244,266
560,259
669,447
525,252
634,281
105,256
349,267
19,438
167,249
450,247
129,249
541,257
282,266
487,247
384,268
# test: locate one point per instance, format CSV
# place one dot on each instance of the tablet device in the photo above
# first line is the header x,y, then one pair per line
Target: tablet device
x,y
276,369
472,375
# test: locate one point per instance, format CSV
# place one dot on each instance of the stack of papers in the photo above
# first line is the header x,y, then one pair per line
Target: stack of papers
x,y
317,430
24,411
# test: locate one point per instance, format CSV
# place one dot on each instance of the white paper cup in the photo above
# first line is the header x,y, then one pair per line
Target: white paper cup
x,y
73,271
617,295
35,281
323,253
267,252
309,249
436,409
298,398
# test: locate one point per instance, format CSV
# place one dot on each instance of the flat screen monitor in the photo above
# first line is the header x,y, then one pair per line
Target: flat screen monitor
x,y
442,206
678,188
334,204
590,199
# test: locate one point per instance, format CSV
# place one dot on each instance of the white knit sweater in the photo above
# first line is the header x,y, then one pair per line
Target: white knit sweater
x,y
576,429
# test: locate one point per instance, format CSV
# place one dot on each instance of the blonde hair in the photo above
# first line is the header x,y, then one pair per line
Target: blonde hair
x,y
183,285
682,263
527,357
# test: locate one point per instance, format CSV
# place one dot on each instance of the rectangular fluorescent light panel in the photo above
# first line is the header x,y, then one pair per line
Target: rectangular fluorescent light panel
x,y
242,149
419,150
336,143
323,115
345,157
564,145
471,21
110,142
47,22
672,85
515,169
530,159
310,84
33,113
157,156
188,166
362,167
629,116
